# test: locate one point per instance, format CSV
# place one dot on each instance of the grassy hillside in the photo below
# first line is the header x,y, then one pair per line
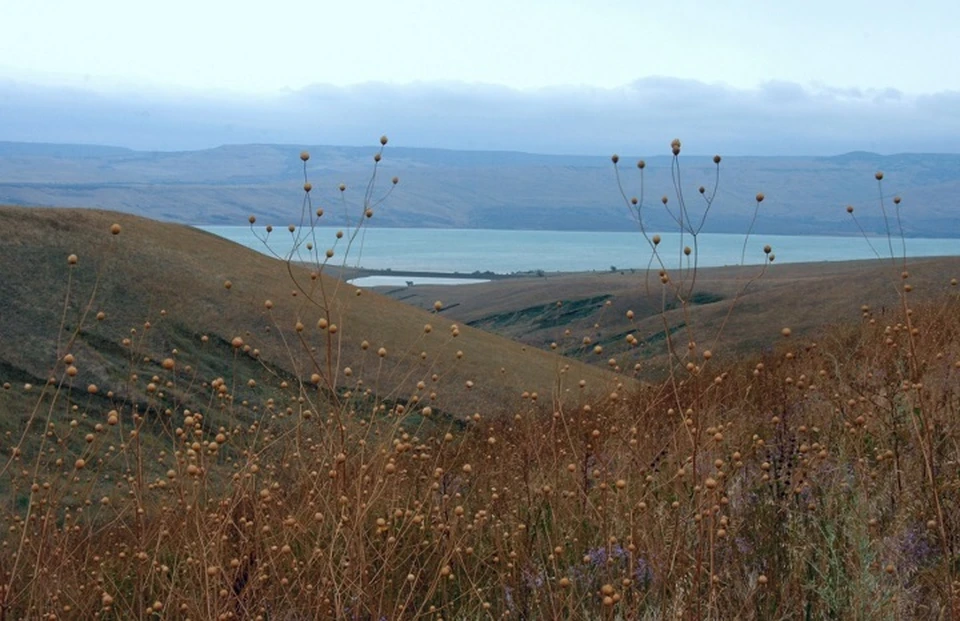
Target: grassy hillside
x,y
729,306
173,278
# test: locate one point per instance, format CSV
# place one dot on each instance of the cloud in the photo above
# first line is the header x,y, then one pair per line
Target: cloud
x,y
775,118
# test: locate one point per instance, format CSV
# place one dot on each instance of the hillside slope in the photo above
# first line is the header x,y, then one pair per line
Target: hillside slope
x,y
163,287
806,297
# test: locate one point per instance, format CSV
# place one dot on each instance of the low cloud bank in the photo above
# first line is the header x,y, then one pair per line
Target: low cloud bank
x,y
776,118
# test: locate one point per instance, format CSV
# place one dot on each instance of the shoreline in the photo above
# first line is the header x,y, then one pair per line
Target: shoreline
x,y
350,273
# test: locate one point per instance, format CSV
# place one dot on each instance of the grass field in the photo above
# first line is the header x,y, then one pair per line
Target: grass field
x,y
192,430
808,297
173,277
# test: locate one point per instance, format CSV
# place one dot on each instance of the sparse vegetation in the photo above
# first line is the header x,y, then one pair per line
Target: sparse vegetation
x,y
334,454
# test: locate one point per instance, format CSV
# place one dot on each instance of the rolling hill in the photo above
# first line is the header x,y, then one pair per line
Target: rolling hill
x,y
163,293
805,297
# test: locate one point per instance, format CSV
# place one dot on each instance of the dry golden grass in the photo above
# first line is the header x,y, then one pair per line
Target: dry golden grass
x,y
817,479
806,296
153,267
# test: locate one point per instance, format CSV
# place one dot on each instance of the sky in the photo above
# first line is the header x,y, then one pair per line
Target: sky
x,y
557,76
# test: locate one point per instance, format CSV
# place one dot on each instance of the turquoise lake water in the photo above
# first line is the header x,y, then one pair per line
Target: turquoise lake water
x,y
504,252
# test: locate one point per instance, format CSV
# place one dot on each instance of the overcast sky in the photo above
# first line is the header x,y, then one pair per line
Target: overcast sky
x,y
595,76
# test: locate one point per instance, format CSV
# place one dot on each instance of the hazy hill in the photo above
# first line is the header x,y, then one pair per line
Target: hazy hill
x,y
480,189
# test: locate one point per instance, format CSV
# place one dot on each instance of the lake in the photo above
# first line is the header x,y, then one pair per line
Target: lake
x,y
504,252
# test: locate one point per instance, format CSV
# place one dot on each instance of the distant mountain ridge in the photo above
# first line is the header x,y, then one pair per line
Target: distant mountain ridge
x,y
483,189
